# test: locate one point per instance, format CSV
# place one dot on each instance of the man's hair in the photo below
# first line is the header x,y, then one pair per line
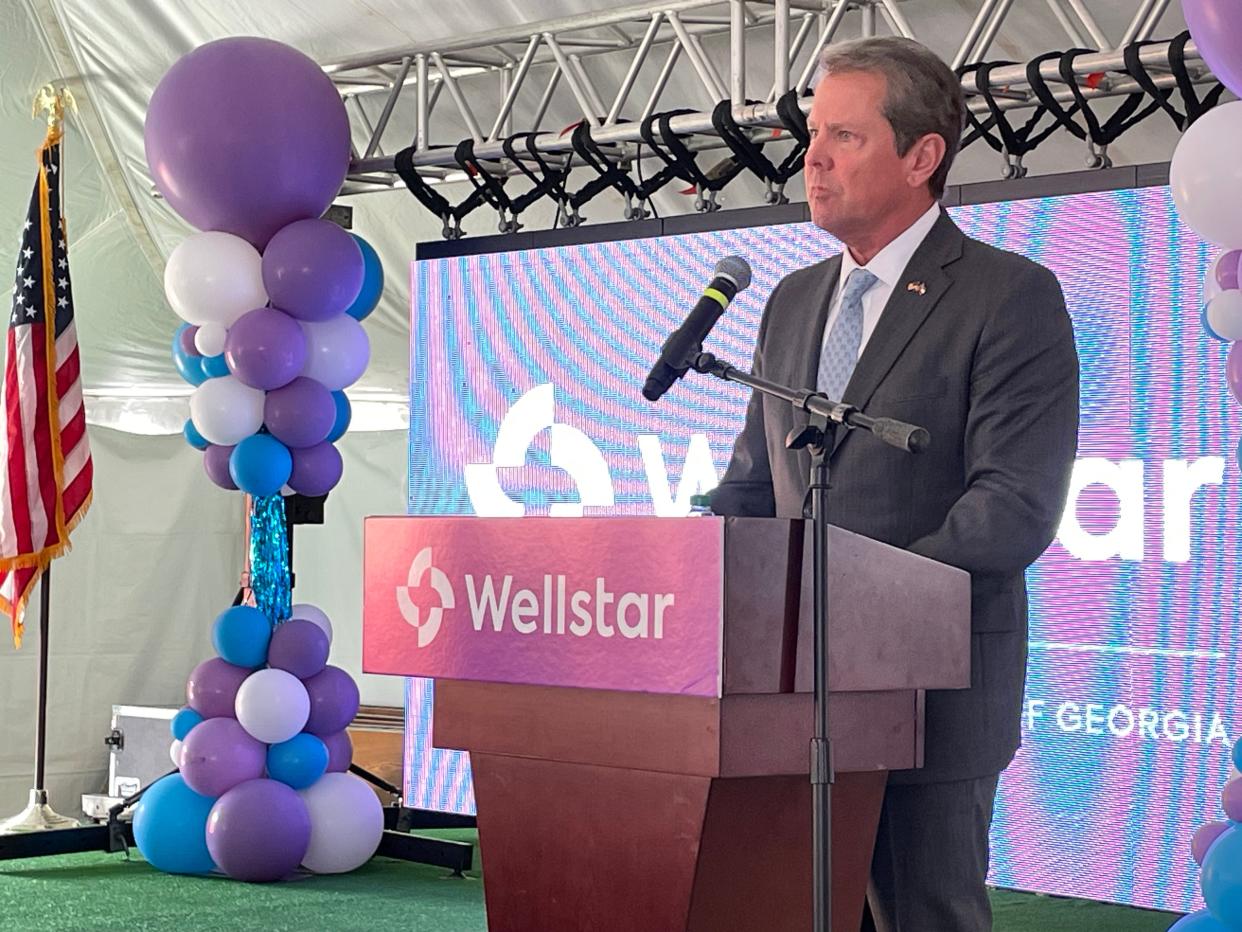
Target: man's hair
x,y
923,95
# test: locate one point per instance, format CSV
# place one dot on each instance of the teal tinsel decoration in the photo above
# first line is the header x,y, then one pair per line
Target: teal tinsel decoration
x,y
269,558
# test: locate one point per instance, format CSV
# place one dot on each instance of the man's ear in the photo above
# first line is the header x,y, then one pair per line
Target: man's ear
x,y
924,158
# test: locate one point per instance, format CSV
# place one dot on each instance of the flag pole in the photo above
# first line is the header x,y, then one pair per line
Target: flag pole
x,y
38,815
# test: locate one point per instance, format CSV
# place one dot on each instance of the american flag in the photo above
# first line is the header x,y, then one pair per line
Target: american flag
x,y
45,487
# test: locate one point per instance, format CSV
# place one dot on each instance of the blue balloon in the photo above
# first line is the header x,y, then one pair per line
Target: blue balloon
x,y
1237,753
372,281
1221,878
260,465
1207,327
344,413
170,827
298,762
214,367
193,437
183,722
1202,921
188,367
240,636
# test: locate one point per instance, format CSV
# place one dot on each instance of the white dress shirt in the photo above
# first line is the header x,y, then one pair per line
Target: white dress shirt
x,y
887,266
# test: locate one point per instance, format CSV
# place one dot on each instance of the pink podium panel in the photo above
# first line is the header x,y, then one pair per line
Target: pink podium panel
x,y
631,604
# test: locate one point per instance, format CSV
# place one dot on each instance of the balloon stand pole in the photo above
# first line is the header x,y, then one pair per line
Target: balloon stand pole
x,y
38,816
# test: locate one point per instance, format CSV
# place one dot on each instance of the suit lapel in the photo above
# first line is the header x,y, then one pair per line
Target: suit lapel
x,y
905,312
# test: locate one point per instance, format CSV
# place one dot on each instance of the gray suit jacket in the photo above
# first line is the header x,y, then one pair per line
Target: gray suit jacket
x,y
984,358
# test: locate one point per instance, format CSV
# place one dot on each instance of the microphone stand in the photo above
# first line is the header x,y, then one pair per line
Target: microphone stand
x,y
818,436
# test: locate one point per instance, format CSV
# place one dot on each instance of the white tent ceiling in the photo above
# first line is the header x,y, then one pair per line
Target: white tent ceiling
x,y
113,55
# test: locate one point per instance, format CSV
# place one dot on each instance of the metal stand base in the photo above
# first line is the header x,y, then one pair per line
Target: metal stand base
x,y
38,816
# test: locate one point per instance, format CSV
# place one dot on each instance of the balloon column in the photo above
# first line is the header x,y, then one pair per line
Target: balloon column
x,y
248,141
262,752
271,296
1206,179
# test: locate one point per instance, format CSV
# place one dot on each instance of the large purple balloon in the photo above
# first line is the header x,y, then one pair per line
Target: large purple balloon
x,y
1216,27
216,464
247,135
258,831
340,751
301,414
212,688
299,647
218,754
315,469
333,701
313,269
265,349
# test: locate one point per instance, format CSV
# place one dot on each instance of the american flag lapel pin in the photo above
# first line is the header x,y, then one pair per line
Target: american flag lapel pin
x,y
916,287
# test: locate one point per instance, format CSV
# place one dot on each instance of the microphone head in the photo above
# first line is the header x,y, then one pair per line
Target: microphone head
x,y
736,269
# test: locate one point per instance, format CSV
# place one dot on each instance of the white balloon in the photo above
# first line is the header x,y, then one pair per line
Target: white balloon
x,y
347,823
1206,175
226,411
174,751
308,612
272,705
1224,315
215,278
1211,287
209,340
337,351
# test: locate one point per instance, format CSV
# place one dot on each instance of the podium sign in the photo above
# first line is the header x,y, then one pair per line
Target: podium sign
x,y
633,604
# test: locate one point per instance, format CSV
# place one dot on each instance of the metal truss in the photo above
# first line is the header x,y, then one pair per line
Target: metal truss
x,y
615,67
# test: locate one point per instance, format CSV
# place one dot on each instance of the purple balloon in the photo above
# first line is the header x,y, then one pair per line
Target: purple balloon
x,y
301,414
1227,269
333,701
247,135
259,831
1233,373
216,465
265,349
218,754
187,341
212,688
313,269
300,647
1231,799
1216,28
340,751
1199,842
315,469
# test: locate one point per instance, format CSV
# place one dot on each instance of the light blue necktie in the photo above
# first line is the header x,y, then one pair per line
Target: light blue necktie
x,y
840,353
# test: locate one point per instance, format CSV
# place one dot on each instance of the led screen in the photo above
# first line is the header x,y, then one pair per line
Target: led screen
x,y
1134,607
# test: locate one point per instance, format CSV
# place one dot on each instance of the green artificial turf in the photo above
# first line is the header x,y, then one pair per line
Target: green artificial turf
x,y
83,892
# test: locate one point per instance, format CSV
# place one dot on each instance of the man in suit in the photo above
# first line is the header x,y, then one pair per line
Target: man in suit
x,y
918,322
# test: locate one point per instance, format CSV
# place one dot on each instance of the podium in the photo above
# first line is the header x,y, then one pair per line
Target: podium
x,y
629,782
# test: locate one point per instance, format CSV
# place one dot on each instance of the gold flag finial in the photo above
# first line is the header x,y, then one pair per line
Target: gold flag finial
x,y
53,103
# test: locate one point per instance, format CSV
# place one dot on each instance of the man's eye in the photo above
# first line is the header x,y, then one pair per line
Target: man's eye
x,y
844,135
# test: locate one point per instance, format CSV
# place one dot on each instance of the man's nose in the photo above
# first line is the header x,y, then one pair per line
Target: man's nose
x,y
817,154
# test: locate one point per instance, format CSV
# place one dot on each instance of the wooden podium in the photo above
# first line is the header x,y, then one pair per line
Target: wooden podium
x,y
620,811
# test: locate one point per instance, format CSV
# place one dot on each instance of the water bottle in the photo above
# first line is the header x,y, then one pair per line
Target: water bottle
x,y
701,505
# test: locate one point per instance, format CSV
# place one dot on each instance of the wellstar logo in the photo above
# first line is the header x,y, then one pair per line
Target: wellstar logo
x,y
552,608
427,627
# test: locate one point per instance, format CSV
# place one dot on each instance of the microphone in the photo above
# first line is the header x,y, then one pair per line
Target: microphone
x,y
732,275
